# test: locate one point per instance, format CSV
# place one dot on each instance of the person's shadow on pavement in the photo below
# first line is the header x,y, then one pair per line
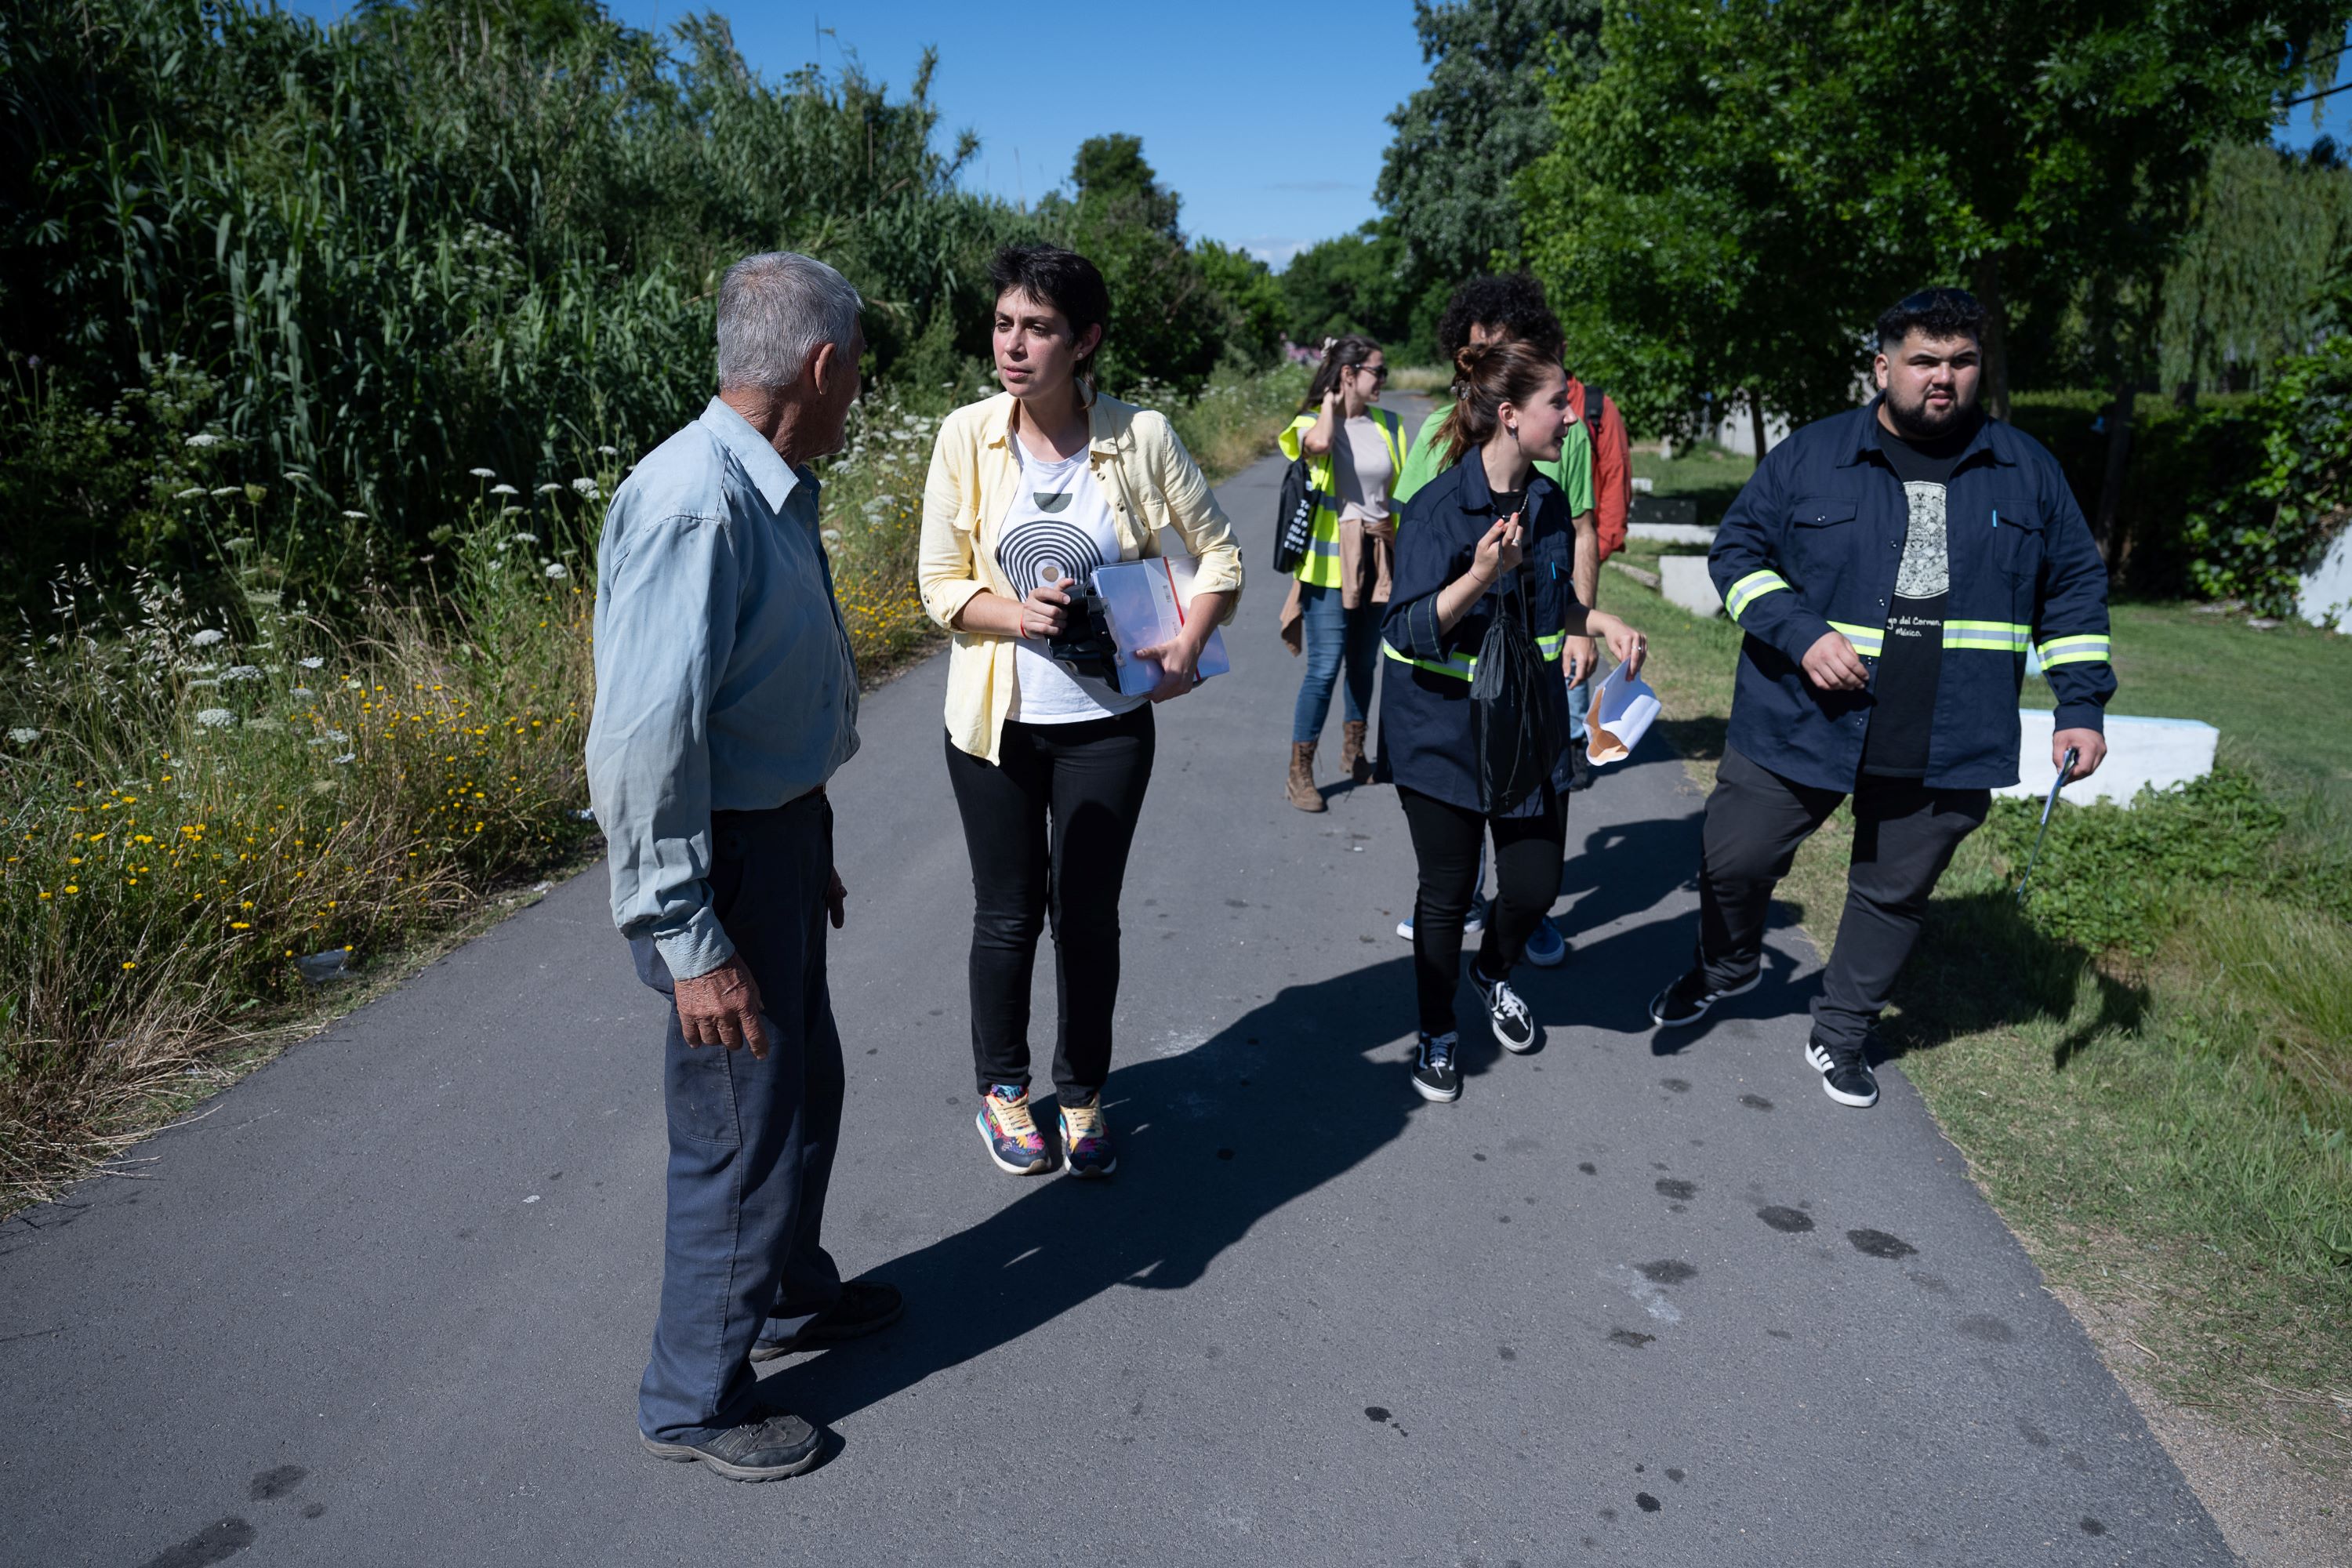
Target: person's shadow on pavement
x,y
1271,1107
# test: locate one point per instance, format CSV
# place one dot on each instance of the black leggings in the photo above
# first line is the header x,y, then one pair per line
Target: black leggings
x,y
1049,830
1446,844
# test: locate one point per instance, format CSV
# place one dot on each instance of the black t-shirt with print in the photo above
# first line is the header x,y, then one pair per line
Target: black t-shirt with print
x,y
1912,663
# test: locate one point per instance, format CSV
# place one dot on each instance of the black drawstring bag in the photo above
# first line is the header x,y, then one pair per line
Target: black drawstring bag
x,y
1294,525
1515,727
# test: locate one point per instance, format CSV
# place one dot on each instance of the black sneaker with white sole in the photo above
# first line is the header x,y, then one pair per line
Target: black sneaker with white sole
x,y
1688,998
1514,1023
1435,1075
1845,1074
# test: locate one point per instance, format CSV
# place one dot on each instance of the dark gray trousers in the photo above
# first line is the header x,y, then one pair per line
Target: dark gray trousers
x,y
751,1142
1903,837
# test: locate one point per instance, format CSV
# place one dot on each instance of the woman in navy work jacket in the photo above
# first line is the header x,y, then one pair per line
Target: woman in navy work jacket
x,y
1477,539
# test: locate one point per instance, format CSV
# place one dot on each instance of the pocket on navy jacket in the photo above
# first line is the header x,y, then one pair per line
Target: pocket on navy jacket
x,y
1822,541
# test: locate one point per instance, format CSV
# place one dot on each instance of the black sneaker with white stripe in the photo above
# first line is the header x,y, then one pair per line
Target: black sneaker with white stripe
x,y
1435,1075
1688,999
1845,1074
1513,1022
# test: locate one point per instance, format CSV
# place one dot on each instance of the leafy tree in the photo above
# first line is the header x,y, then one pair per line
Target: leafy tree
x,y
1808,146
1356,283
2247,286
1446,180
1253,297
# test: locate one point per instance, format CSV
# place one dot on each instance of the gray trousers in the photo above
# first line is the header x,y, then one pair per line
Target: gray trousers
x,y
1903,837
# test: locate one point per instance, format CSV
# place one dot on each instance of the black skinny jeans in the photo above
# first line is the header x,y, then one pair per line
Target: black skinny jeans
x,y
1447,843
1049,830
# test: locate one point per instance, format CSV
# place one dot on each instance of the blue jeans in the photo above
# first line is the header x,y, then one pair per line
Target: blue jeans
x,y
751,1142
1579,703
1335,636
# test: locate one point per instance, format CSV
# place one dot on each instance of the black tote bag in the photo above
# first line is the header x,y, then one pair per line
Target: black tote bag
x,y
1514,725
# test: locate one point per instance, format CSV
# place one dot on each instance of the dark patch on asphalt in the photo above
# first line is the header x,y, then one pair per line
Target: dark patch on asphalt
x,y
1480,1158
2032,1434
1609,1513
1588,1167
466,1234
1986,1328
1629,1339
214,1543
276,1483
313,1510
1376,1412
1502,1219
1676,1187
1755,1102
1878,1244
555,1176
1667,1271
1237,904
1506,1353
2093,1527
1675,1084
1646,1503
1674,1475
1788,1221
1780,1333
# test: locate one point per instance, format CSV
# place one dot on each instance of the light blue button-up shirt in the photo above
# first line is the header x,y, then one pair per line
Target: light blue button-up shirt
x,y
724,679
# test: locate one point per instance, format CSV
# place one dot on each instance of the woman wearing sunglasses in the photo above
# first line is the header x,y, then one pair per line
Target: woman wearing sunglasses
x,y
1355,450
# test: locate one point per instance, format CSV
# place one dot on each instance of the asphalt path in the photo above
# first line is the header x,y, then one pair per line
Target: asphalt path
x,y
1628,1300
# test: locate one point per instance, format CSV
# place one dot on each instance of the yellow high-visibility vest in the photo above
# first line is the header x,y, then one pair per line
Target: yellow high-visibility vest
x,y
1320,566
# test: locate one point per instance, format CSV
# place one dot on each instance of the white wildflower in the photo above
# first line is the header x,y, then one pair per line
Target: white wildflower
x,y
524,539
206,638
346,757
610,451
356,517
215,718
504,491
510,512
203,439
830,536
298,690
270,725
193,492
240,672
556,571
549,488
224,490
313,662
23,737
482,473
585,488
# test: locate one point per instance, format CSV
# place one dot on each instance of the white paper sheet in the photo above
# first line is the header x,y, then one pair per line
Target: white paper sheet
x,y
1145,601
1622,712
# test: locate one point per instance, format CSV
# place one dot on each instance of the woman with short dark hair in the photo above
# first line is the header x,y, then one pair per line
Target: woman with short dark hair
x,y
1030,491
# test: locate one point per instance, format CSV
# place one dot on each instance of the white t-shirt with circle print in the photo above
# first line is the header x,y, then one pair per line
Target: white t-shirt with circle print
x,y
1058,522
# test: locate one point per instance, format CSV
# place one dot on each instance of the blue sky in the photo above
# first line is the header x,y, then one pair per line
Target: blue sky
x,y
1269,119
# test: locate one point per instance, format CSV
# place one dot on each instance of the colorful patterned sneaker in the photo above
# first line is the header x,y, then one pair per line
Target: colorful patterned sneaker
x,y
1086,1139
1011,1133
1435,1075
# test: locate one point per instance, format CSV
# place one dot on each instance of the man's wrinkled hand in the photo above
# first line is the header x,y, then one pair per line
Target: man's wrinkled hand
x,y
836,900
723,1008
2089,746
1831,664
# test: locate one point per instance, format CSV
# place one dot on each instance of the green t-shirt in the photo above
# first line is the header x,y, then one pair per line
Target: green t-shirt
x,y
1572,472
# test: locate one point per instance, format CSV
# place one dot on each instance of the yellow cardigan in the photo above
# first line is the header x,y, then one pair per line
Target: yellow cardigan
x,y
1151,482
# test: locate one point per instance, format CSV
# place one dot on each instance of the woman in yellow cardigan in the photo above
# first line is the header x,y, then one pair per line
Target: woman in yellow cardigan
x,y
1029,492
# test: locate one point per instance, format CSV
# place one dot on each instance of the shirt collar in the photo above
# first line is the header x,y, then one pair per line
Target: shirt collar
x,y
775,478
1867,430
1477,495
1102,433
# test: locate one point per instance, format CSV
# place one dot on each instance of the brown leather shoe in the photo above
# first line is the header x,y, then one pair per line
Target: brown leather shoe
x,y
1354,766
1301,787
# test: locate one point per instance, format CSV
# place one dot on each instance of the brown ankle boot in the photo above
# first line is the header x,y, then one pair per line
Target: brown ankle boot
x,y
1301,787
1353,765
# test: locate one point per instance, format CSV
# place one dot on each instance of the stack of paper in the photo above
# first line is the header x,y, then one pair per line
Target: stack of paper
x,y
1145,603
1622,709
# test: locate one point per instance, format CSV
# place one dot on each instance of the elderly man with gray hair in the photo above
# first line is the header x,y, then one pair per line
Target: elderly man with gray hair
x,y
726,697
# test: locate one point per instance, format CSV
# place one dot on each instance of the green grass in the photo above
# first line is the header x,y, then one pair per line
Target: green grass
x,y
2167,1128
1707,474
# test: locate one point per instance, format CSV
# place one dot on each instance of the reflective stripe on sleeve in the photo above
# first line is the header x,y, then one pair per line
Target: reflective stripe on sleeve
x,y
1992,637
1549,645
2092,648
1461,665
1868,641
1749,589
